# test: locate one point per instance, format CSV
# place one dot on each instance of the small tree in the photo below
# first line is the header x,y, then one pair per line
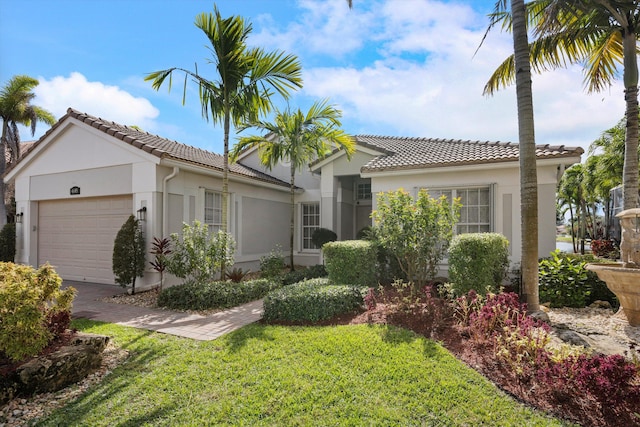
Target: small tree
x,y
8,242
417,232
198,256
129,254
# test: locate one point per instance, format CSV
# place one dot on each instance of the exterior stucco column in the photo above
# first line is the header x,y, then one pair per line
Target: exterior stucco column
x,y
328,206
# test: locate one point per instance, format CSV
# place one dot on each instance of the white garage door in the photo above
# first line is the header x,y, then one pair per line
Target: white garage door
x,y
76,236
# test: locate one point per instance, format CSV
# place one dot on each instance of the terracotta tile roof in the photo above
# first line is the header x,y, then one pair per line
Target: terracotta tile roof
x,y
420,153
165,148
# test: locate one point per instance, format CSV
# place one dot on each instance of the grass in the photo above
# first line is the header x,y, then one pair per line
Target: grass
x,y
294,376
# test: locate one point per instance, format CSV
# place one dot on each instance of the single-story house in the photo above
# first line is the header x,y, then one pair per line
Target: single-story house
x,y
80,181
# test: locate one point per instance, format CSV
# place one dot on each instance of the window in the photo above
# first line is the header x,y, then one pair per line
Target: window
x,y
475,214
310,222
364,191
213,211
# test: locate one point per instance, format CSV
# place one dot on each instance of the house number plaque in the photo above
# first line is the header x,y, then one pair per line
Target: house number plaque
x,y
74,191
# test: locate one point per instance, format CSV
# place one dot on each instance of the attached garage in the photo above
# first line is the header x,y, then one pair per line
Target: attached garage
x,y
76,235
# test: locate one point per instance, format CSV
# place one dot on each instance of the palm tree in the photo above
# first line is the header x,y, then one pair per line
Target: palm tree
x,y
600,35
244,83
571,194
527,147
297,138
16,109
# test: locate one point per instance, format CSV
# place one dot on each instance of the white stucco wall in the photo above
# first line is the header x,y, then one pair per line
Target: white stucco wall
x,y
504,180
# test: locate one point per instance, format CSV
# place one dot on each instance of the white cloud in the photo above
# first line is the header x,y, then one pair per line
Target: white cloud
x,y
429,83
327,28
95,98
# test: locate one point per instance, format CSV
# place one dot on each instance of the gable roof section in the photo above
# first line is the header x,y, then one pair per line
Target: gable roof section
x,y
164,148
421,153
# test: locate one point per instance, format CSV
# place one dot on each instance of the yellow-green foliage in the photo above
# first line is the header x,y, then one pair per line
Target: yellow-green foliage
x,y
27,298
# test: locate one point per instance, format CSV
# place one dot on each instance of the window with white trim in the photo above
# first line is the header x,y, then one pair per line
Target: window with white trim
x,y
475,213
363,191
310,223
213,210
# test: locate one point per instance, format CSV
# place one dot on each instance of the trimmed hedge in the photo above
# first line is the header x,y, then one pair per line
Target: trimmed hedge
x,y
479,262
311,272
351,262
311,301
206,296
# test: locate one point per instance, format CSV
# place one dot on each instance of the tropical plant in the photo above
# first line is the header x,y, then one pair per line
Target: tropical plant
x,y
198,255
527,145
128,254
600,35
160,249
608,154
16,109
297,138
417,232
243,85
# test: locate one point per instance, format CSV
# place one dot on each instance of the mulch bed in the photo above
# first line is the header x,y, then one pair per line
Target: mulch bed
x,y
586,410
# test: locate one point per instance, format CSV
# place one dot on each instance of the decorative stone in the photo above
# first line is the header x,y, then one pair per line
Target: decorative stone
x,y
540,315
52,372
601,304
571,337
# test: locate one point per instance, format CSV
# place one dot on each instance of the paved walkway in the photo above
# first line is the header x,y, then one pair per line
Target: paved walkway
x,y
87,304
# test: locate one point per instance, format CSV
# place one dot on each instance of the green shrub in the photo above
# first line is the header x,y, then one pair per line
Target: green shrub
x,y
199,255
32,309
312,272
210,295
128,254
478,261
320,236
311,301
388,269
351,262
8,242
565,282
416,231
271,265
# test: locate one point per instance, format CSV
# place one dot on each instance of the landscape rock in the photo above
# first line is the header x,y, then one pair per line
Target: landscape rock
x,y
67,365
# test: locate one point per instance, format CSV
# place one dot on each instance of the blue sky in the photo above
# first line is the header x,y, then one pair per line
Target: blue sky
x,y
394,67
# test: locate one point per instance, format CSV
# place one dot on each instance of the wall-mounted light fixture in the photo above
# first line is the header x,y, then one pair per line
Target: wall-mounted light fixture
x,y
142,213
19,217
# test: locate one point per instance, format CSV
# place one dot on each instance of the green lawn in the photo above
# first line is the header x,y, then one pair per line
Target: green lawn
x,y
291,376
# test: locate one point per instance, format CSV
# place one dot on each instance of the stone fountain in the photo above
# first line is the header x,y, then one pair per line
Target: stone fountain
x,y
623,278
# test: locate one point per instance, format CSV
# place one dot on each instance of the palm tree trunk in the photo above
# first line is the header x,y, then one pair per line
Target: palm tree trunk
x,y
3,167
630,169
225,183
293,214
528,172
573,233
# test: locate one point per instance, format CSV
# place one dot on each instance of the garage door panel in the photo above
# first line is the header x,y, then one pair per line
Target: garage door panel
x,y
76,236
